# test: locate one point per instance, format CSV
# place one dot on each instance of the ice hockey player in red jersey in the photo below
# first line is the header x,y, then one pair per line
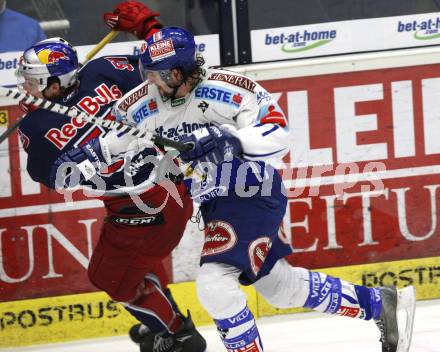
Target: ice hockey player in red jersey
x,y
236,131
127,261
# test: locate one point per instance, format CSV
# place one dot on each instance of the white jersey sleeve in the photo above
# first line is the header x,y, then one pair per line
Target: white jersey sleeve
x,y
262,128
260,123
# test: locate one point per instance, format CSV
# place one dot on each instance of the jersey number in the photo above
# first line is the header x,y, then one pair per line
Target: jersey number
x,y
265,133
120,63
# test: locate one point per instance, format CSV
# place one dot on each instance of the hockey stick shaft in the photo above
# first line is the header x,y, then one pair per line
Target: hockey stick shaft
x,y
11,129
107,39
109,124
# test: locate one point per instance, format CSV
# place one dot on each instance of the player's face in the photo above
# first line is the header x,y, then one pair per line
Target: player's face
x,y
155,78
165,81
31,86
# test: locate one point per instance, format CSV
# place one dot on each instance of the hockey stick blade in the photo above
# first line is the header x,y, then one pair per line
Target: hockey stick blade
x,y
74,112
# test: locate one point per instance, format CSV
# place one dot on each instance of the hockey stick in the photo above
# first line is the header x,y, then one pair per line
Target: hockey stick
x,y
11,129
107,39
110,124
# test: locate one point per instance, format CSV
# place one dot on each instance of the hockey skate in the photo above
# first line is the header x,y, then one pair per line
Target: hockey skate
x,y
396,318
139,333
187,339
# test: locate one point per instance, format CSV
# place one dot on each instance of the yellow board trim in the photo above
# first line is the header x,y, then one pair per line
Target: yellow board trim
x,y
91,315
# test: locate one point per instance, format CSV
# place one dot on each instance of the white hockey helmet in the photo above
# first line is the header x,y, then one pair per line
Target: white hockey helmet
x,y
53,57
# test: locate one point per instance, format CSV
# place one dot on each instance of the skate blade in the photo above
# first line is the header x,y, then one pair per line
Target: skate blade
x,y
406,307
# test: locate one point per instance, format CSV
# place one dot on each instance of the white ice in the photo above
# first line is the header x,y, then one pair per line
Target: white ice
x,y
305,332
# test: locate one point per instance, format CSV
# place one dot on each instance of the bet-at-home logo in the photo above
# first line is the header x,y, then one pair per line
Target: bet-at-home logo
x,y
301,41
423,30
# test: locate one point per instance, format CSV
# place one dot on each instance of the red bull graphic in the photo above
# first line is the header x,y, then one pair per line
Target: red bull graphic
x,y
47,56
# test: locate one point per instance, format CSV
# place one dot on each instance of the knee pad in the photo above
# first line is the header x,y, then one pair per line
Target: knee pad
x,y
219,291
285,286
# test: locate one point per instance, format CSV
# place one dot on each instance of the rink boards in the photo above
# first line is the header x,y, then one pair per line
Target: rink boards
x,y
90,315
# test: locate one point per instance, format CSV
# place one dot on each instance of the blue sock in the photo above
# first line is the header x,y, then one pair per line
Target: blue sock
x,y
335,296
240,332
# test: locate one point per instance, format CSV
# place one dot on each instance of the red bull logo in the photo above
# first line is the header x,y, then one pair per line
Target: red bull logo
x,y
47,56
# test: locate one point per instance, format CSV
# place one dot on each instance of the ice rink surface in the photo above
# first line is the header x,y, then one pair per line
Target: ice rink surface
x,y
305,332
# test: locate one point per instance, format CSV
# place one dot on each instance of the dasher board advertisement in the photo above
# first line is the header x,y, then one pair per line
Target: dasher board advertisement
x,y
363,173
345,37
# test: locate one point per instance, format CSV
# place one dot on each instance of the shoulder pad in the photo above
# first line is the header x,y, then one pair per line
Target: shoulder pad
x,y
233,78
122,106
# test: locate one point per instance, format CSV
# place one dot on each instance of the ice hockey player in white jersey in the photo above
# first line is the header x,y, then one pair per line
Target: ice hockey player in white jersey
x,y
236,129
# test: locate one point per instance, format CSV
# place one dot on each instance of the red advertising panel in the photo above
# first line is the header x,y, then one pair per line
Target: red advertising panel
x,y
364,165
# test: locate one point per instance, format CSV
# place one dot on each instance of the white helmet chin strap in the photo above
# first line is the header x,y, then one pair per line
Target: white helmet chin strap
x,y
31,75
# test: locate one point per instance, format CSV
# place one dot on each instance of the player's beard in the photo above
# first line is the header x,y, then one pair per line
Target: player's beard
x,y
167,91
167,88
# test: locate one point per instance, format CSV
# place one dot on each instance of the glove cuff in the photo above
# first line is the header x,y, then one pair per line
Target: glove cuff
x,y
105,151
149,27
93,153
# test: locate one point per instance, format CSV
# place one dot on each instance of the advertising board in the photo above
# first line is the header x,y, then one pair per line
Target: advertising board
x,y
344,37
363,170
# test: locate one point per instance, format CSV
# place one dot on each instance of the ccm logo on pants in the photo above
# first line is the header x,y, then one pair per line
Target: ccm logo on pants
x,y
140,221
